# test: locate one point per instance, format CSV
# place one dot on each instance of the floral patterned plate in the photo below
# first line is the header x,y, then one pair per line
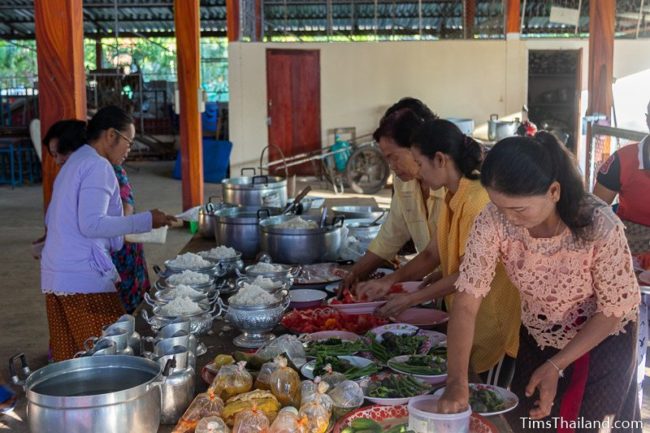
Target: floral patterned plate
x,y
435,338
390,416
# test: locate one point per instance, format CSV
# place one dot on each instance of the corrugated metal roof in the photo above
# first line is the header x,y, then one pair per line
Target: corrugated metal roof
x,y
438,18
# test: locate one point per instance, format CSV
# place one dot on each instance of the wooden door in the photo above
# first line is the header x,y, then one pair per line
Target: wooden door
x,y
293,104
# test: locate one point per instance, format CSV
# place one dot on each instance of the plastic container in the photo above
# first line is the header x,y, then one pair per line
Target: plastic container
x,y
424,419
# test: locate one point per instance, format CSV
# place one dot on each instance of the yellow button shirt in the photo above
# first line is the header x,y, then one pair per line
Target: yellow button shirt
x,y
499,318
410,217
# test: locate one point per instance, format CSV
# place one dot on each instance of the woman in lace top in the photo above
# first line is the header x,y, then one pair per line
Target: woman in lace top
x,y
567,254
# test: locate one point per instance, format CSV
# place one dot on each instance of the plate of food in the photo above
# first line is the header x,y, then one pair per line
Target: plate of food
x,y
397,339
333,343
488,400
390,389
430,368
421,317
353,367
328,319
375,275
394,419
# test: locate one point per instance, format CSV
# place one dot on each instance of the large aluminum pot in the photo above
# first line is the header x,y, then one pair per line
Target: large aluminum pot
x,y
373,213
256,191
301,246
99,394
238,228
500,129
206,217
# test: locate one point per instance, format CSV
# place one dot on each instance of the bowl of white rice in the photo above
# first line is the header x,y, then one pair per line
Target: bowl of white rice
x,y
221,253
190,261
181,307
270,284
269,270
198,281
181,291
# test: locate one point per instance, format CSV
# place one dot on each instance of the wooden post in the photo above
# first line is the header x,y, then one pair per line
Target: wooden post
x,y
470,14
187,18
513,16
259,14
232,20
602,15
61,76
99,54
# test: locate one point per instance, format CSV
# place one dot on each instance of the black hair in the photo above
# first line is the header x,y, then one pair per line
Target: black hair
x,y
527,166
106,118
401,118
71,134
444,136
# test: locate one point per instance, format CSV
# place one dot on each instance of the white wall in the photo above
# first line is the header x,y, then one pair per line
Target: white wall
x,y
360,80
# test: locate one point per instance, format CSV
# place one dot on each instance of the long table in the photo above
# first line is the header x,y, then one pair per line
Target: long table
x,y
220,340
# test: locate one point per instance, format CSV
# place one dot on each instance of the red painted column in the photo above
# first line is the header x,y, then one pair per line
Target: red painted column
x,y
232,20
513,16
61,74
188,35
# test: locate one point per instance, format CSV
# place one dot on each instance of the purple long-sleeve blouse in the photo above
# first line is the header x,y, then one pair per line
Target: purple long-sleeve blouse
x,y
85,222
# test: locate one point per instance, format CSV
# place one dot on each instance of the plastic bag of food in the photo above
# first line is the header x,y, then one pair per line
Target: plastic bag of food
x,y
251,421
212,424
287,345
331,377
260,399
263,380
288,421
315,391
316,415
232,380
206,404
347,394
285,383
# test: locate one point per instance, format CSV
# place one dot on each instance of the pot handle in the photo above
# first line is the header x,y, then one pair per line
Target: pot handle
x,y
261,176
222,308
220,270
494,117
338,219
152,341
218,313
263,211
151,301
90,339
145,316
295,271
287,300
25,370
245,169
158,271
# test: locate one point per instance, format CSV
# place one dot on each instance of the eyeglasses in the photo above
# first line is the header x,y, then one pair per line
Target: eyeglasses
x,y
130,142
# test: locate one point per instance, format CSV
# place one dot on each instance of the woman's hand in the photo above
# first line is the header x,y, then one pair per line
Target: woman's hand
x,y
373,289
455,399
161,219
395,305
348,282
544,380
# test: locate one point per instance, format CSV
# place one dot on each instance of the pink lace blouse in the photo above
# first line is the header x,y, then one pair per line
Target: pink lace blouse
x,y
562,281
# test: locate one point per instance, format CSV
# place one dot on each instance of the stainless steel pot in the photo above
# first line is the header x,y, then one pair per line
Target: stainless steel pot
x,y
238,228
206,217
256,191
99,394
500,129
362,212
301,246
128,321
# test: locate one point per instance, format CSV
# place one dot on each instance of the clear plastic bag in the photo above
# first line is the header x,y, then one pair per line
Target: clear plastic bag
x,y
316,415
285,383
287,345
263,380
315,391
204,405
288,421
331,377
347,394
232,380
212,424
251,421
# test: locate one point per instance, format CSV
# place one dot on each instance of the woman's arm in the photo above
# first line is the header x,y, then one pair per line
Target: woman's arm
x,y
400,302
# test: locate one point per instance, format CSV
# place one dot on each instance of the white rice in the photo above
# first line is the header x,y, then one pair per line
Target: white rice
x,y
266,283
184,291
219,253
252,295
266,267
181,306
297,223
188,277
189,261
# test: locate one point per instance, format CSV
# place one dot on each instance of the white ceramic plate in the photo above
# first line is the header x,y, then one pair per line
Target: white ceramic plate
x,y
435,338
510,399
307,370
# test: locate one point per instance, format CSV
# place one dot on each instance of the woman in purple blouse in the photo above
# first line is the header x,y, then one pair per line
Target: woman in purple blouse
x,y
85,222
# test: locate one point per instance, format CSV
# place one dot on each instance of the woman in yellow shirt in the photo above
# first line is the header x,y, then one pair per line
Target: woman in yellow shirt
x,y
448,158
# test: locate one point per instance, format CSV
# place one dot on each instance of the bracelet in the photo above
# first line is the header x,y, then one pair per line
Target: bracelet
x,y
560,372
